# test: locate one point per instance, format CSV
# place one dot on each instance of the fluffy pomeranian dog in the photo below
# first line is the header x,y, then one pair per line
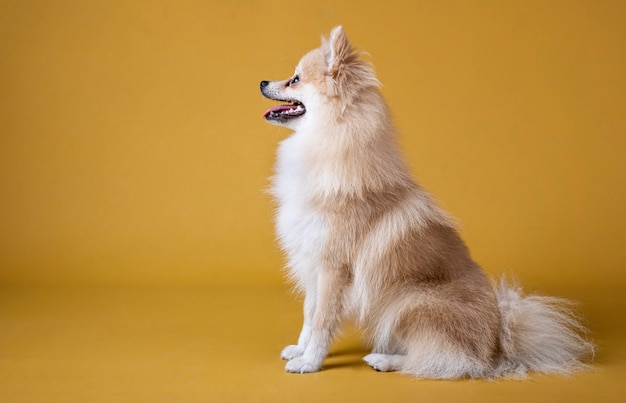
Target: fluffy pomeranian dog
x,y
364,241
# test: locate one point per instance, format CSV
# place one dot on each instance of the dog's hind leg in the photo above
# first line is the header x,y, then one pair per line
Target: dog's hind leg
x,y
385,362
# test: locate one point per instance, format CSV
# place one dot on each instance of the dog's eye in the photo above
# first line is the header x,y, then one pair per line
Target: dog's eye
x,y
295,80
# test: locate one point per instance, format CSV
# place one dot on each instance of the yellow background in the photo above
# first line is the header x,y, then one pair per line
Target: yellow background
x,y
133,152
133,149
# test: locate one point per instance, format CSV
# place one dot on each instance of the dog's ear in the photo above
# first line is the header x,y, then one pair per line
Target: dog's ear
x,y
340,51
347,72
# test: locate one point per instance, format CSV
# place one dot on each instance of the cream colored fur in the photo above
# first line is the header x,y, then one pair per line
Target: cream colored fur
x,y
364,241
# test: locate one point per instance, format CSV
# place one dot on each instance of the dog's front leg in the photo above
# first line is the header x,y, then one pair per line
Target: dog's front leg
x,y
310,300
326,317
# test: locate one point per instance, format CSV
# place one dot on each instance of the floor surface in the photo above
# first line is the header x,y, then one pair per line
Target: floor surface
x,y
222,345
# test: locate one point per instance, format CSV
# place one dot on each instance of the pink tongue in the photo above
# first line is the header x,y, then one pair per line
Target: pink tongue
x,y
278,109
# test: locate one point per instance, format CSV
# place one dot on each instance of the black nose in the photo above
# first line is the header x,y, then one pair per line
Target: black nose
x,y
264,84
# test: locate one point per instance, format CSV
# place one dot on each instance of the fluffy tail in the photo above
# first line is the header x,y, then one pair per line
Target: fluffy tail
x,y
540,334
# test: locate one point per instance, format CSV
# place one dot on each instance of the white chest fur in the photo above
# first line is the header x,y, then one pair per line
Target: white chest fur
x,y
301,230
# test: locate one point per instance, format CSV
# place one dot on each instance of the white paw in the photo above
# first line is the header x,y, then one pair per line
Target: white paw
x,y
384,362
291,352
301,365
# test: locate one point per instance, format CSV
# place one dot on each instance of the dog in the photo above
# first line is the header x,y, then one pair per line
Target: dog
x,y
363,241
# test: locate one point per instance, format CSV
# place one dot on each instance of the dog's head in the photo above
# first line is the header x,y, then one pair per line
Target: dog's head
x,y
325,83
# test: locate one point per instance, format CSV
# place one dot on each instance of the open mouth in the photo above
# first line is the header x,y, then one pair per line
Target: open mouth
x,y
284,112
